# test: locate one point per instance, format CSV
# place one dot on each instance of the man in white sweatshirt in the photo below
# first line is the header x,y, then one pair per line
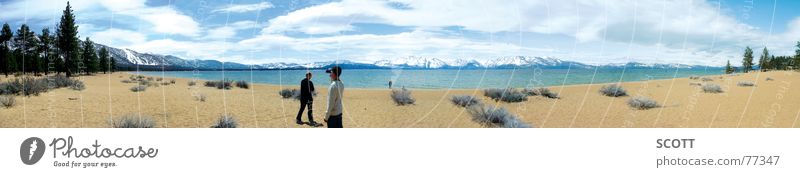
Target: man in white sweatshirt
x,y
333,114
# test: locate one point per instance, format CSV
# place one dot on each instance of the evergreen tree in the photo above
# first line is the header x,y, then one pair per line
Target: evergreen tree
x,y
797,56
763,61
5,52
728,68
104,63
58,61
89,57
12,62
67,33
45,50
747,62
113,66
26,43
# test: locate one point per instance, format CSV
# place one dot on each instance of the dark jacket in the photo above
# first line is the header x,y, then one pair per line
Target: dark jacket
x,y
306,90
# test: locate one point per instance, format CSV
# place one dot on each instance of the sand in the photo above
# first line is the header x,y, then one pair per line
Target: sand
x,y
769,104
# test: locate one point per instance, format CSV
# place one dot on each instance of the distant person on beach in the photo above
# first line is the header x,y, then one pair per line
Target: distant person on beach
x,y
333,115
390,84
306,99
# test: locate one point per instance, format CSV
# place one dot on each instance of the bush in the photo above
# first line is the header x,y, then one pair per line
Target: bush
x,y
694,77
192,83
613,90
490,116
507,95
225,122
77,85
745,84
695,83
138,88
220,84
770,79
642,103
545,92
128,81
9,88
7,101
242,84
30,86
172,81
60,81
200,97
712,88
464,100
133,121
159,79
402,97
290,93
705,79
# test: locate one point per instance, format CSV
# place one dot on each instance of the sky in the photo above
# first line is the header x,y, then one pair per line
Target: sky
x,y
588,31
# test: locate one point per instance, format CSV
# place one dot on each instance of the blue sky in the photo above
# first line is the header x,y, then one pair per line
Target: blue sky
x,y
590,31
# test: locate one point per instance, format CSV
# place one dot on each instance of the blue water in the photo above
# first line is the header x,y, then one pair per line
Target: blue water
x,y
431,79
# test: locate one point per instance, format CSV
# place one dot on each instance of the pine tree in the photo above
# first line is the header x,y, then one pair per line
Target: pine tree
x,y
797,56
58,61
26,44
45,50
12,62
89,56
5,52
763,61
103,56
67,33
747,62
113,66
728,68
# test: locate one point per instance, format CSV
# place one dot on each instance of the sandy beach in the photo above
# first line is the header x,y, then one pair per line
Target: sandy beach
x,y
767,104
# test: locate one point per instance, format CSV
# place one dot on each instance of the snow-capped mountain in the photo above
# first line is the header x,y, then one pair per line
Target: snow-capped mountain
x,y
527,62
651,65
412,62
128,58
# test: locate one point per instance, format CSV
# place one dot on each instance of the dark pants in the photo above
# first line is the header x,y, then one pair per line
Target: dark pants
x,y
335,121
303,104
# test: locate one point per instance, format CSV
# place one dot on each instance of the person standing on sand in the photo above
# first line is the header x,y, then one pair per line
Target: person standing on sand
x,y
306,99
333,115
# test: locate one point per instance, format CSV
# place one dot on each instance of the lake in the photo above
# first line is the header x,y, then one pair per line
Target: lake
x,y
444,78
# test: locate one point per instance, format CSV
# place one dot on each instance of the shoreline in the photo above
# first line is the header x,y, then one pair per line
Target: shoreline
x,y
581,106
414,88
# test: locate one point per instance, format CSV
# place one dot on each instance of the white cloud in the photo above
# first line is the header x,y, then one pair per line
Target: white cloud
x,y
118,37
164,19
185,49
240,8
650,25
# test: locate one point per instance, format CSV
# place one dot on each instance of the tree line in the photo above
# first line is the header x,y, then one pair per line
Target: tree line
x,y
26,52
767,62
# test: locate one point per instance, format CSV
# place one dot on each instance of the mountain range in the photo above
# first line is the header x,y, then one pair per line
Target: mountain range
x,y
130,59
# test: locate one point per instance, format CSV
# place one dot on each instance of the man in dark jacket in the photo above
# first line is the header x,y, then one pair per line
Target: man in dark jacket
x,y
306,99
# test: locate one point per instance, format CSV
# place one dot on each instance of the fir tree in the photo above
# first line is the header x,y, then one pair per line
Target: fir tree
x,y
26,43
104,64
728,68
89,57
763,61
747,61
5,52
45,50
67,33
113,66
